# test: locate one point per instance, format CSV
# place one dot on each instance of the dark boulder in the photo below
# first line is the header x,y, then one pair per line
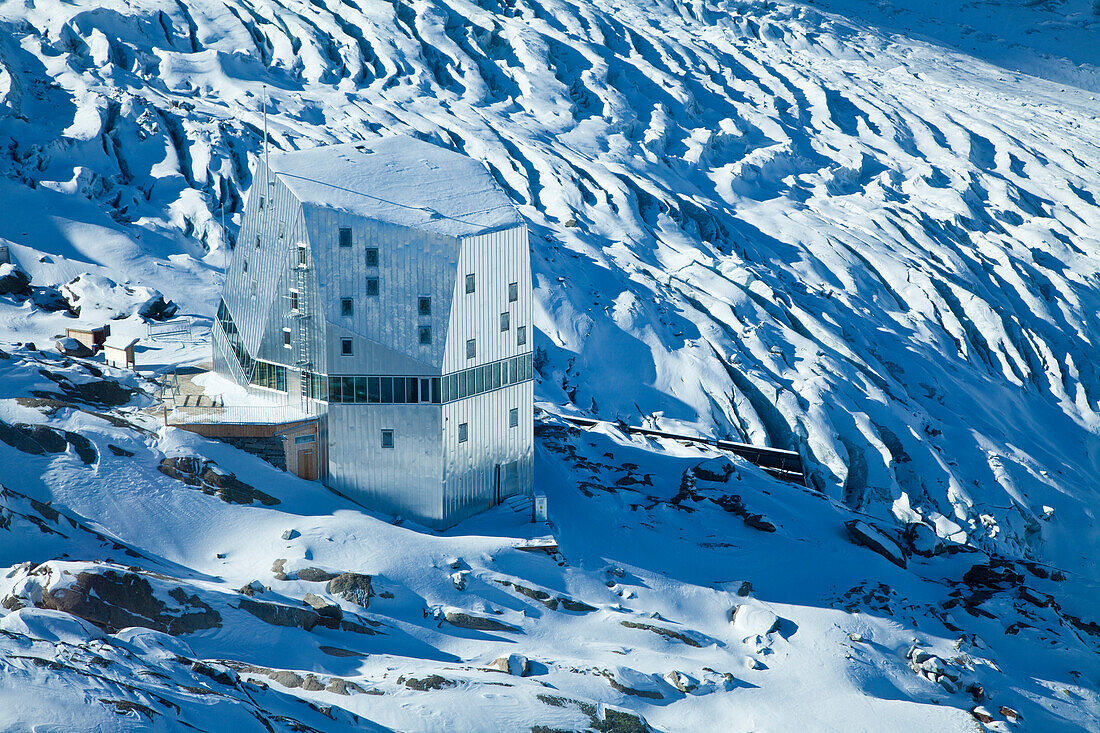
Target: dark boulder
x,y
353,587
13,280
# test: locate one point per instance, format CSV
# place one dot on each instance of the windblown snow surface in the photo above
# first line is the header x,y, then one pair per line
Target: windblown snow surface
x,y
864,231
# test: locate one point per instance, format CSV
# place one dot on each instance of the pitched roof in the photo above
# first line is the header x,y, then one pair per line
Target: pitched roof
x,y
400,180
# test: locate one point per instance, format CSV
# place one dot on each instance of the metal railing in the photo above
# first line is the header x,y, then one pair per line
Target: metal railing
x,y
178,329
783,464
238,414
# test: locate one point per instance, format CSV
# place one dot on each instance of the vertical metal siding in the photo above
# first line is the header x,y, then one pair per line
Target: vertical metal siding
x,y
496,259
404,480
428,476
385,327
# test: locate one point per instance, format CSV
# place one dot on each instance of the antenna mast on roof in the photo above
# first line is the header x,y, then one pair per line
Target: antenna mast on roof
x,y
267,159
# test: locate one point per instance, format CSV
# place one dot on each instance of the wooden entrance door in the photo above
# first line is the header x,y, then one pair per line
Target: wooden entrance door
x,y
307,464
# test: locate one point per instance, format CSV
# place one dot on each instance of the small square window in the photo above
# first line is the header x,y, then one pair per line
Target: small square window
x,y
425,334
471,349
470,283
262,202
303,254
513,292
345,347
257,241
521,335
387,438
293,300
463,432
345,236
244,264
346,307
424,306
505,321
372,257
286,338
372,286
513,417
253,287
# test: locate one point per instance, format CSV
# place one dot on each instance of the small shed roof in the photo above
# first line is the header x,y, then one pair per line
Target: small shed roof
x,y
400,180
119,342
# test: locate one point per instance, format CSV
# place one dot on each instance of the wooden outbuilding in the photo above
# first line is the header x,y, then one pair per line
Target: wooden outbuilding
x,y
119,352
93,338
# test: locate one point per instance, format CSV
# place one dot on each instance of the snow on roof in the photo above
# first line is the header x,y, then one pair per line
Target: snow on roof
x,y
400,180
120,342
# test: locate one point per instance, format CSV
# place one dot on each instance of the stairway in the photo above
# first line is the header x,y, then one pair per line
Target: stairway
x,y
303,354
521,504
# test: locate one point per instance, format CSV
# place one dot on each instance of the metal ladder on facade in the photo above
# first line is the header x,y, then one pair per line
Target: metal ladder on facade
x,y
303,348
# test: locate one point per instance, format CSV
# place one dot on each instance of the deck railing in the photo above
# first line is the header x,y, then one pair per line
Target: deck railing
x,y
238,414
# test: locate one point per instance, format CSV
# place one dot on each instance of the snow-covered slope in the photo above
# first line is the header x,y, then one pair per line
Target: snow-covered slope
x,y
861,231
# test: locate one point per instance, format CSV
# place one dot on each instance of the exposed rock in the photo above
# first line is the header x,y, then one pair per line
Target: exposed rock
x,y
315,575
431,682
206,476
744,589
752,620
661,631
120,452
156,308
113,600
516,665
96,391
13,280
50,299
251,589
922,540
551,602
71,347
718,469
285,677
631,682
681,681
458,579
343,687
352,587
758,521
997,575
291,534
324,607
1010,715
312,684
278,614
41,439
867,536
278,569
480,623
982,714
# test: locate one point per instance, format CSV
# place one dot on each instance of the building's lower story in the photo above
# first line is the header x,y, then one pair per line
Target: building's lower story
x,y
435,464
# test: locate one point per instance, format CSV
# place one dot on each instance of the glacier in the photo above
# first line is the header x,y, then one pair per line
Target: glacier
x,y
867,232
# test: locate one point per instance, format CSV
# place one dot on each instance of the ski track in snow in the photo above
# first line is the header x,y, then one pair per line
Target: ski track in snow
x,y
756,221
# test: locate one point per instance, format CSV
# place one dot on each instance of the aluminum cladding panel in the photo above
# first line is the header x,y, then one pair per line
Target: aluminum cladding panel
x,y
411,264
470,467
405,480
495,260
253,277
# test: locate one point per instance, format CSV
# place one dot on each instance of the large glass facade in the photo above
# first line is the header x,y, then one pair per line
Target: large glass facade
x,y
259,373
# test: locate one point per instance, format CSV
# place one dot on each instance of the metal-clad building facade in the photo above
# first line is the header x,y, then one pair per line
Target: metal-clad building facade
x,y
356,272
